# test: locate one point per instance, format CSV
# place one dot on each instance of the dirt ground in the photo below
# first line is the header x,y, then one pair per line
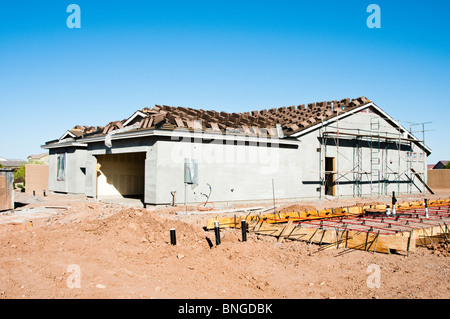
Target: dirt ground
x,y
66,246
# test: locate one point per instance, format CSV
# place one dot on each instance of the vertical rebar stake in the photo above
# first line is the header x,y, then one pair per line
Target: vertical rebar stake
x,y
173,237
217,232
273,194
394,201
244,230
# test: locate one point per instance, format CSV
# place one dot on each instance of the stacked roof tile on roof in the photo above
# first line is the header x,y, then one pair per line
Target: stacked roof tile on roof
x,y
292,118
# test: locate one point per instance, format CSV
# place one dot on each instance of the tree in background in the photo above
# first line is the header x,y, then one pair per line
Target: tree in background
x,y
19,174
447,166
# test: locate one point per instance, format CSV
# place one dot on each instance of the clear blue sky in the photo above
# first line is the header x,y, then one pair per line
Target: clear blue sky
x,y
229,55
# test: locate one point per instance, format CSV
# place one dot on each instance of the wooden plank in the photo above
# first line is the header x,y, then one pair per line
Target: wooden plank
x,y
287,227
352,239
422,181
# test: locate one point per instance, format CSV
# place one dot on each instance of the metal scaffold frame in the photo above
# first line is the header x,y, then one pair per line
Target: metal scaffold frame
x,y
378,175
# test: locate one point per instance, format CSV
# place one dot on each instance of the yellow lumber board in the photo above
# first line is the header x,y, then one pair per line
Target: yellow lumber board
x,y
349,239
285,230
314,214
436,233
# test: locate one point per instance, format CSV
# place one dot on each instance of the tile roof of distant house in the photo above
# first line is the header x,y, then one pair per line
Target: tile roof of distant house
x,y
38,156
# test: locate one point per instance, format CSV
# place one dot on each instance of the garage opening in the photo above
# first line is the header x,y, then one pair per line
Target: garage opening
x,y
121,176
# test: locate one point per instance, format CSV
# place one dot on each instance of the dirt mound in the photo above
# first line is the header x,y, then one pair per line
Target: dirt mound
x,y
368,204
296,208
133,225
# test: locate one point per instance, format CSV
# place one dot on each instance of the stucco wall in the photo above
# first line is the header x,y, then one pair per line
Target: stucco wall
x,y
36,178
235,172
439,178
6,189
75,180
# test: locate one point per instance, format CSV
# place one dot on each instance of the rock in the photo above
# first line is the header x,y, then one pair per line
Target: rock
x,y
180,256
100,286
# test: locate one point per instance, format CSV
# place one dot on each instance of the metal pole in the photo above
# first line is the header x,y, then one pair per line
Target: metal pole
x,y
244,230
426,208
273,194
394,201
173,238
185,200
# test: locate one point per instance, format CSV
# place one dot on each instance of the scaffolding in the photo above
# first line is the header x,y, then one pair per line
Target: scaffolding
x,y
379,174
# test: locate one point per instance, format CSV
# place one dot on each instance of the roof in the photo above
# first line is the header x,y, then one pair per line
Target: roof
x,y
291,119
278,122
38,156
12,163
441,163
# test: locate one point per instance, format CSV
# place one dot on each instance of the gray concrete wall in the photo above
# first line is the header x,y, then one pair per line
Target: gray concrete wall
x,y
234,172
75,181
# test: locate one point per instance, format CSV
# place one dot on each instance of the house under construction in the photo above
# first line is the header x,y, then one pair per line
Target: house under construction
x,y
166,155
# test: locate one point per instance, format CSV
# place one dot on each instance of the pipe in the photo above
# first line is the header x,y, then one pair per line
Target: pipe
x,y
173,238
244,230
394,201
173,193
217,232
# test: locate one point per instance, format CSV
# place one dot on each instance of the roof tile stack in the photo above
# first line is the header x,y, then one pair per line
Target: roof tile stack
x,y
292,118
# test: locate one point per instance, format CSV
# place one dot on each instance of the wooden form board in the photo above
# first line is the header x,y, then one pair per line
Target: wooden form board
x,y
340,238
381,233
235,222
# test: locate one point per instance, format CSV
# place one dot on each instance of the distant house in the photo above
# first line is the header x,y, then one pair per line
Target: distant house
x,y
14,163
440,165
38,159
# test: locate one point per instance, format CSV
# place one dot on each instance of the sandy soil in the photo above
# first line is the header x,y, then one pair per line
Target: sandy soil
x,y
65,246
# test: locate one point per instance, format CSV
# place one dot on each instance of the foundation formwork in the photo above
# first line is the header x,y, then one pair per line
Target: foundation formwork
x,y
368,228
